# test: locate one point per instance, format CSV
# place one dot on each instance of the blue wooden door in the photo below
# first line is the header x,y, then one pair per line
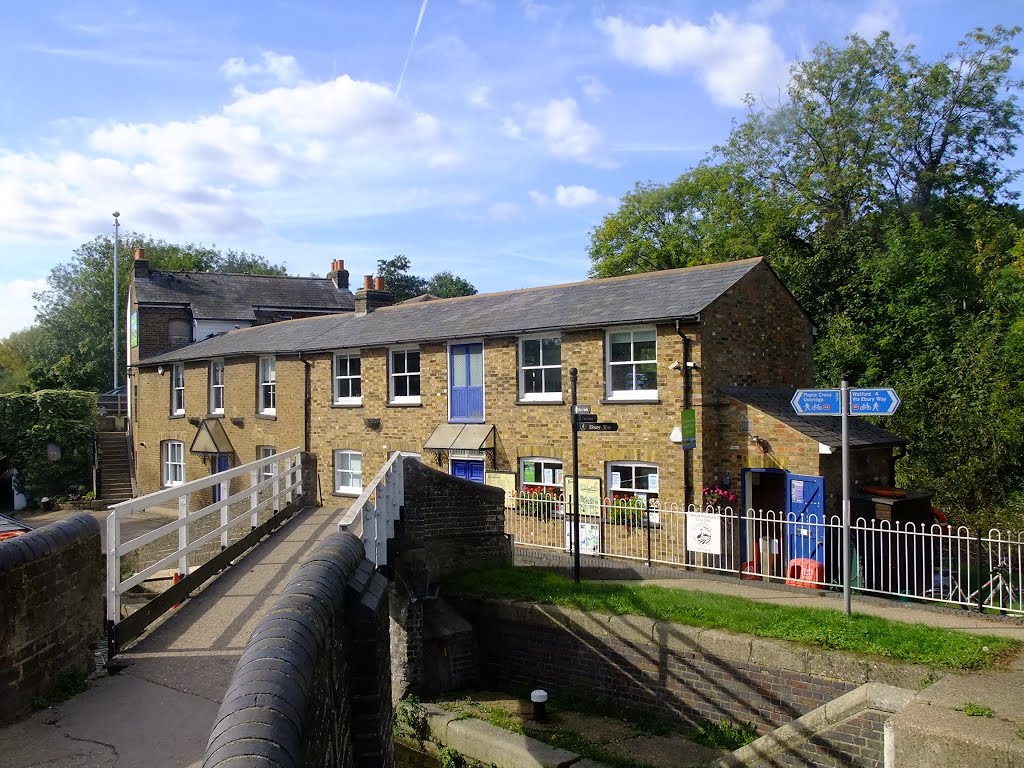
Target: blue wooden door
x,y
466,366
221,462
468,469
805,505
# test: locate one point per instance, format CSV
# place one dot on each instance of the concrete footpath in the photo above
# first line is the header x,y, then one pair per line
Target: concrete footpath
x,y
158,712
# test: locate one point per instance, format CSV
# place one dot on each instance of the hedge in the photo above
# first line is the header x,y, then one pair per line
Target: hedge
x,y
29,422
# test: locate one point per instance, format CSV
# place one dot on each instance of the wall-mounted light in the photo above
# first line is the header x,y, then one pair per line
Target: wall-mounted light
x,y
193,420
372,423
238,421
160,370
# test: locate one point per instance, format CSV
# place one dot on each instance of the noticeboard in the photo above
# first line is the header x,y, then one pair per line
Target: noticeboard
x,y
590,495
504,480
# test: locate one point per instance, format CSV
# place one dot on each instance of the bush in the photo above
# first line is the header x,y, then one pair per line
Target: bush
x,y
29,422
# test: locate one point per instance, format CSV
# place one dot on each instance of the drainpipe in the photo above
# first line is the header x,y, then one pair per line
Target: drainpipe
x,y
687,403
307,410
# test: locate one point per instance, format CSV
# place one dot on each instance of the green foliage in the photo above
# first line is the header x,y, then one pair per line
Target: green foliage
x,y
971,709
723,734
411,719
28,422
15,359
68,684
814,627
403,285
75,313
878,190
449,757
445,285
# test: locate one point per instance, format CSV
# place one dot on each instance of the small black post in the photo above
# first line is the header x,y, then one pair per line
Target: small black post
x,y
647,521
575,479
112,648
981,599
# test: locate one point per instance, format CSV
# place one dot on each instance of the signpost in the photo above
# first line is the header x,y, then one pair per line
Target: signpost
x,y
601,426
585,418
846,402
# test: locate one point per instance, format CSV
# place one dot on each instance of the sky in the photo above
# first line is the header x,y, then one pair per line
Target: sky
x,y
484,137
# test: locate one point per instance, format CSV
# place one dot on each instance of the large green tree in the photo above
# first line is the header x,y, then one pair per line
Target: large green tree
x,y
879,190
404,285
73,346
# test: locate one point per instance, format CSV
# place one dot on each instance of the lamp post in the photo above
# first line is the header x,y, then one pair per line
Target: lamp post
x,y
117,224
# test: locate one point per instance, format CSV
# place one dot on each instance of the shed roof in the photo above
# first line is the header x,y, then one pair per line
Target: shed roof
x,y
229,296
827,430
644,298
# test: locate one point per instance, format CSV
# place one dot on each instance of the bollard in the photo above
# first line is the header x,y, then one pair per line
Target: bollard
x,y
539,699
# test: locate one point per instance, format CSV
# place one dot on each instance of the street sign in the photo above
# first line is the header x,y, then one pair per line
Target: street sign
x,y
585,418
873,402
603,426
817,402
689,428
581,409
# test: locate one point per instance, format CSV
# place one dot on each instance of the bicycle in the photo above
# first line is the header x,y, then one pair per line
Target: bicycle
x,y
1002,594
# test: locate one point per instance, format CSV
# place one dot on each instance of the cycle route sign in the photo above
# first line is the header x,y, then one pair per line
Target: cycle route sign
x,y
881,401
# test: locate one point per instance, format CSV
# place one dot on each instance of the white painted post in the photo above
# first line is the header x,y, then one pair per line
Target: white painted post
x,y
183,534
277,486
288,480
224,487
254,478
113,569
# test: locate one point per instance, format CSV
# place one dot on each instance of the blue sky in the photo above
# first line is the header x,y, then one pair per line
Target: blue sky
x,y
487,137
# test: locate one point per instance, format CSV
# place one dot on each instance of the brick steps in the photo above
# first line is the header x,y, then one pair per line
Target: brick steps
x,y
115,473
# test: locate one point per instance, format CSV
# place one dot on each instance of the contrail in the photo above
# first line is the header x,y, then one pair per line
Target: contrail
x,y
416,31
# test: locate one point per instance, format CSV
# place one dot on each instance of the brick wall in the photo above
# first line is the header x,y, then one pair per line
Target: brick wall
x,y
312,686
51,601
154,334
857,742
680,673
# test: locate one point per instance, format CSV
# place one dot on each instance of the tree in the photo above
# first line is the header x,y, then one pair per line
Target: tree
x,y
75,312
15,356
403,285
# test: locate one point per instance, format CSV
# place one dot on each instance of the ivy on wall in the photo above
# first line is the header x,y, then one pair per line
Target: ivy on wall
x,y
29,423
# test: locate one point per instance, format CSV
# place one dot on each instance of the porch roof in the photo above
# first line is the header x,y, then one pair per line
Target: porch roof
x,y
467,437
211,438
827,430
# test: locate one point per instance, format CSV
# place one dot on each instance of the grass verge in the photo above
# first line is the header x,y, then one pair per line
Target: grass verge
x,y
814,627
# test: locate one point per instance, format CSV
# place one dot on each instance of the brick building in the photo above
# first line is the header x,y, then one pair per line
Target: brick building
x,y
479,386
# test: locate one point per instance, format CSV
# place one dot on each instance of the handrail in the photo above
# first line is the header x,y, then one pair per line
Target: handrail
x,y
285,483
374,521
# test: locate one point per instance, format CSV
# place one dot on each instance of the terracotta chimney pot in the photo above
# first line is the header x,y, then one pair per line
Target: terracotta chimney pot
x,y
379,284
368,282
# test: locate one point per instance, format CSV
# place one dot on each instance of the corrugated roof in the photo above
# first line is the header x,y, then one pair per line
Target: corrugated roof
x,y
775,401
644,298
220,296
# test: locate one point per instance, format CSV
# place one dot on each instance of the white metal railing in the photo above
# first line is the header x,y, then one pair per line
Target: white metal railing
x,y
373,515
920,561
271,480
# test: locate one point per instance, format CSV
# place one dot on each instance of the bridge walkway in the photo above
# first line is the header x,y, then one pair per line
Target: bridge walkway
x,y
158,712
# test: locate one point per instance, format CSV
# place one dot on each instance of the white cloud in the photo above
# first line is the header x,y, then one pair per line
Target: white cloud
x,y
533,10
564,132
283,69
511,128
592,87
479,96
504,211
731,58
877,18
571,196
18,307
539,198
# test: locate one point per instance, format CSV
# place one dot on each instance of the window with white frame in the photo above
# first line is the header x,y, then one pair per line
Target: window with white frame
x,y
173,456
629,480
348,383
405,375
632,372
539,475
348,472
217,386
265,452
268,386
178,390
540,368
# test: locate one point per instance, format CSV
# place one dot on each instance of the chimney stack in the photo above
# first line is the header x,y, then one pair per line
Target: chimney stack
x,y
373,295
140,264
339,275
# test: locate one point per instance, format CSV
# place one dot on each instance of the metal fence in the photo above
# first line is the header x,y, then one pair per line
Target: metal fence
x,y
923,562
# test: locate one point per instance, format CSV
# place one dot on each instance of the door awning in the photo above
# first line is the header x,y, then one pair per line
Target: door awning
x,y
211,438
467,437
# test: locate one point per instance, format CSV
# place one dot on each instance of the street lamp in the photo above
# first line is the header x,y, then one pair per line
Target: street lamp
x,y
116,225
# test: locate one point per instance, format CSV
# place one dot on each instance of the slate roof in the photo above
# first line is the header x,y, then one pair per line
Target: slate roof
x,y
775,401
220,296
643,298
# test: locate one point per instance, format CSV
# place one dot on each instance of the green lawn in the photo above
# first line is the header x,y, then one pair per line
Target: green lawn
x,y
815,627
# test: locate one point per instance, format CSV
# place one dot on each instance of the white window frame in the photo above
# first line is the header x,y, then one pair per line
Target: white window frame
x,y
267,471
647,492
540,460
267,386
216,389
178,389
404,399
353,490
538,397
629,394
172,459
336,378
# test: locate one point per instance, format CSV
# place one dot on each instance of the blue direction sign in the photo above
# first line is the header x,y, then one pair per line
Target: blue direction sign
x,y
817,402
873,402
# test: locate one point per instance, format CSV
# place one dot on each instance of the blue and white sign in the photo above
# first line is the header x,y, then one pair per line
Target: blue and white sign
x,y
873,402
817,402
